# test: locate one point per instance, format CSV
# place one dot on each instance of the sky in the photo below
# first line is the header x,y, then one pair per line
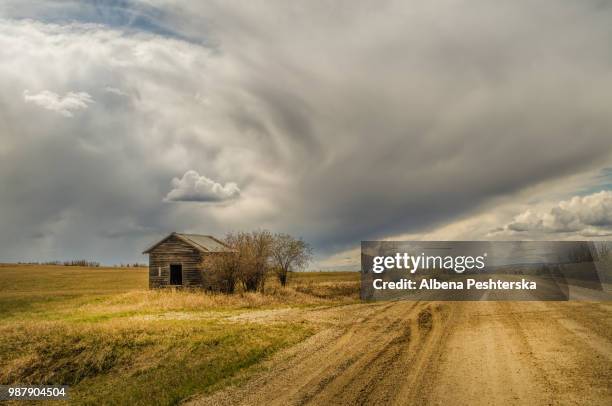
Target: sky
x,y
122,121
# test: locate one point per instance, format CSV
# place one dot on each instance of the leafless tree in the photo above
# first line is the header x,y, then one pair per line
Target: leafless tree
x,y
261,250
253,255
289,254
253,252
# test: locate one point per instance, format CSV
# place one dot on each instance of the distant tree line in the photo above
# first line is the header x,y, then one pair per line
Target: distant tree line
x,y
580,253
82,263
76,262
602,251
253,257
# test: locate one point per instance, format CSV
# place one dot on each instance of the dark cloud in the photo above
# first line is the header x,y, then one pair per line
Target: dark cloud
x,y
337,123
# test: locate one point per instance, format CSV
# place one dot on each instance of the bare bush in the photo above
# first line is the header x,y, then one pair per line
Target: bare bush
x,y
253,255
289,254
222,271
252,251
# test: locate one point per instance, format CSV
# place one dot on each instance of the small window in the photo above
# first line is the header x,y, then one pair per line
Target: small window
x,y
176,274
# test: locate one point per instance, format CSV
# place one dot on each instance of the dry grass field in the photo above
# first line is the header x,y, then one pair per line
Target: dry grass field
x,y
115,342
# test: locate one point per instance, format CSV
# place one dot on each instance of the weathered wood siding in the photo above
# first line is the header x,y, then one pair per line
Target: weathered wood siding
x,y
174,251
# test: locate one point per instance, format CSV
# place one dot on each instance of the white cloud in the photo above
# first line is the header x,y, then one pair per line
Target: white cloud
x,y
62,105
588,216
114,90
195,188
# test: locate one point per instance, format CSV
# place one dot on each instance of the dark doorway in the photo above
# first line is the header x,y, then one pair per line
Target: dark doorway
x,y
176,274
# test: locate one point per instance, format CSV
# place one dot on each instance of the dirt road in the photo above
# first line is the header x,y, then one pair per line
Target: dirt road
x,y
444,353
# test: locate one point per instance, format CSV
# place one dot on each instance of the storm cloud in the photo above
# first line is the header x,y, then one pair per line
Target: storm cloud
x,y
340,122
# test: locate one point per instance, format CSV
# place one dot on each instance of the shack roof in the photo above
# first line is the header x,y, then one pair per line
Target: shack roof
x,y
203,243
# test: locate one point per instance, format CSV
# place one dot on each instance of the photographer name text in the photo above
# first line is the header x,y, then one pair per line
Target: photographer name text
x,y
469,284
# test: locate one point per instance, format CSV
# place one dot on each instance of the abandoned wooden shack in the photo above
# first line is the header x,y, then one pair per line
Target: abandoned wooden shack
x,y
179,260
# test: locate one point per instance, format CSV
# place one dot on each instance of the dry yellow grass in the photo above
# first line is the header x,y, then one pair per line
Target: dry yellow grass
x,y
101,331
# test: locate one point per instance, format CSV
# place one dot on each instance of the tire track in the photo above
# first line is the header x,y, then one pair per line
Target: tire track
x,y
378,341
460,353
